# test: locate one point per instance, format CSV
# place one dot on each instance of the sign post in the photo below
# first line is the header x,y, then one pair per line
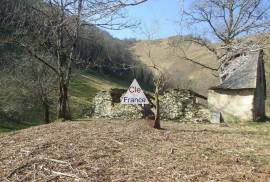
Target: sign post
x,y
134,95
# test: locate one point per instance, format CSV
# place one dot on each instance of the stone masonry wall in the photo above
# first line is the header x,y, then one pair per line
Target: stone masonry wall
x,y
174,105
104,107
178,104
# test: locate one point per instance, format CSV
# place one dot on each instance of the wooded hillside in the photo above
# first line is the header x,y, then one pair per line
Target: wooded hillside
x,y
30,72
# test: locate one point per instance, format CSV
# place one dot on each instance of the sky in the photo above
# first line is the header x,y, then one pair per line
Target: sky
x,y
161,15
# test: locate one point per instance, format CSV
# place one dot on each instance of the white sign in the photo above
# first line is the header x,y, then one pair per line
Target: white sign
x,y
134,95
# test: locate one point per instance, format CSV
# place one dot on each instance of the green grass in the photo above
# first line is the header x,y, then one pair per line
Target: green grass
x,y
7,126
260,124
83,88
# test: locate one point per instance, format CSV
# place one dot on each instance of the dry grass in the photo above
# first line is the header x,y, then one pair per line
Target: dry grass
x,y
131,151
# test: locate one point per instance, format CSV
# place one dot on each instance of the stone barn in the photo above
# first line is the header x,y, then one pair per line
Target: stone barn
x,y
242,93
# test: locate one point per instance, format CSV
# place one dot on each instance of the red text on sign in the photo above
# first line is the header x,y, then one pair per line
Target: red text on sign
x,y
134,90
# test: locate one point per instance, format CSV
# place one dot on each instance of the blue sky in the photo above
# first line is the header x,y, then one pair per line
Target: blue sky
x,y
165,12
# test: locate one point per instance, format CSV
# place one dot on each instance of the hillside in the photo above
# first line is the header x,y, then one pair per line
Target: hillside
x,y
182,73
30,65
99,150
84,86
185,74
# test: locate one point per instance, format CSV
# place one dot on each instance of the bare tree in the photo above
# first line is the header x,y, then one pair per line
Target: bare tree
x,y
159,74
225,21
159,82
231,18
55,25
42,83
27,84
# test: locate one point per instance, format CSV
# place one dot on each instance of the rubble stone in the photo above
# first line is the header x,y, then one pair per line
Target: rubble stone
x,y
180,104
175,104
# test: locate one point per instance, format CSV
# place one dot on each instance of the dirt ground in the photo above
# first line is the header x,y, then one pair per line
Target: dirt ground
x,y
112,150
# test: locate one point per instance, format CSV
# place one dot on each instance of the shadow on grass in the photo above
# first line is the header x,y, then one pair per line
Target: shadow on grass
x,y
264,119
10,126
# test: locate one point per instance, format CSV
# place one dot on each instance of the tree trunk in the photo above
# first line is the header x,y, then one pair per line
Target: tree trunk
x,y
157,114
46,111
63,111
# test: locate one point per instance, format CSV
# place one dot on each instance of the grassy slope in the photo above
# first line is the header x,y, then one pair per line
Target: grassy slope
x,y
83,88
85,85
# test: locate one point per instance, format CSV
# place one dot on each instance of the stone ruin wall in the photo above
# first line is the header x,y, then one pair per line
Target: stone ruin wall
x,y
105,106
179,104
174,105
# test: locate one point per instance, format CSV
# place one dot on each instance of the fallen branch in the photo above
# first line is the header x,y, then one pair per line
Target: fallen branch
x,y
120,143
65,174
61,174
25,151
5,180
55,160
